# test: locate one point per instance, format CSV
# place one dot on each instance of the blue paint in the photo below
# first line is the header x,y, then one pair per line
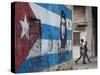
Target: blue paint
x,y
39,63
53,59
56,8
53,33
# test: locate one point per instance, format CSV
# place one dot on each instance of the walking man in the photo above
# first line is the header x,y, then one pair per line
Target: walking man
x,y
85,52
81,52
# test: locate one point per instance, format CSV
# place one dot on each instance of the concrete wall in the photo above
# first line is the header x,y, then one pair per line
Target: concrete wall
x,y
79,14
87,34
45,48
89,30
84,14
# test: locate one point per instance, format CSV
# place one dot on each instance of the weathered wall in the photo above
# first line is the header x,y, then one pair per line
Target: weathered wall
x,y
43,37
84,15
79,14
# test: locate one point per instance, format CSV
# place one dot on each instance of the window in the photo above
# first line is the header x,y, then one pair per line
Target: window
x,y
76,38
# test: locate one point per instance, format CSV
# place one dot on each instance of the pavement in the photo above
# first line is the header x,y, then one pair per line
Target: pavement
x,y
71,65
80,66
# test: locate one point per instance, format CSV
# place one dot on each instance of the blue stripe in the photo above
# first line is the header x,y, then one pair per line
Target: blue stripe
x,y
56,8
39,63
53,33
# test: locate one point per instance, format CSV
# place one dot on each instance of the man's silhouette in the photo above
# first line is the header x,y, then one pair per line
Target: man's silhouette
x,y
85,52
81,52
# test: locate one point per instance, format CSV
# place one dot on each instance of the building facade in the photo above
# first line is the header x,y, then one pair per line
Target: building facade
x,y
84,27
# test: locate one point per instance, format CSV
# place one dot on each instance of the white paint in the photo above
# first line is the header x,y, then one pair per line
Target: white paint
x,y
35,50
47,47
25,28
69,45
46,16
44,46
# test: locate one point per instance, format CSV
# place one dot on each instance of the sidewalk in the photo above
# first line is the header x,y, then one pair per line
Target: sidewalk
x,y
80,66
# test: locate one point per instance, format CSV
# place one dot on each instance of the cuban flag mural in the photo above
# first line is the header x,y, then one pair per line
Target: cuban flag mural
x,y
43,36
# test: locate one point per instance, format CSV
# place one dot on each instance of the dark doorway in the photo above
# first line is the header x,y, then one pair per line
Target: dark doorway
x,y
94,14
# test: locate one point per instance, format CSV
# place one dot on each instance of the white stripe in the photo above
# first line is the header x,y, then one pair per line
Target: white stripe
x,y
46,16
69,45
35,50
47,47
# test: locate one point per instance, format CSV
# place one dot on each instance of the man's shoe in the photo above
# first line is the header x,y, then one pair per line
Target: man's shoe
x,y
84,63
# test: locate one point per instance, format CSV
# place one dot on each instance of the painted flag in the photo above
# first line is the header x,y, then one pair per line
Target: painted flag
x,y
37,32
24,31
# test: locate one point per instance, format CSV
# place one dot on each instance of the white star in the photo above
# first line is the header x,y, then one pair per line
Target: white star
x,y
25,28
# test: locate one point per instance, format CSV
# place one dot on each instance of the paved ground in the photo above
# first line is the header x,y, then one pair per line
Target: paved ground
x,y
73,66
80,66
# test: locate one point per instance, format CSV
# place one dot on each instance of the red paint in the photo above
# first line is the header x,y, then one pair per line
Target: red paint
x,y
22,45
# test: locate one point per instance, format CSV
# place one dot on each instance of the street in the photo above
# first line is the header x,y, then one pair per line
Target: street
x,y
80,66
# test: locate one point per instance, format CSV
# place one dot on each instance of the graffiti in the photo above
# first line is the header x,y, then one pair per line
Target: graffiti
x,y
41,36
63,30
